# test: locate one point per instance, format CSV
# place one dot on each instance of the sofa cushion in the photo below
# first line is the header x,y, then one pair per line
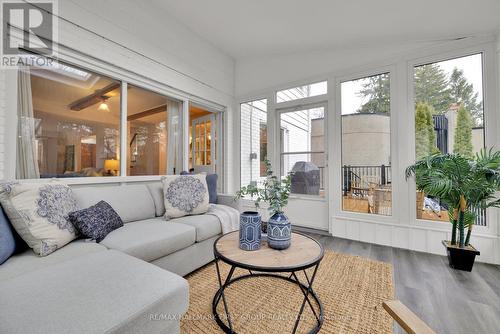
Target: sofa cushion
x,y
150,239
97,221
206,226
156,190
39,212
106,292
131,202
28,261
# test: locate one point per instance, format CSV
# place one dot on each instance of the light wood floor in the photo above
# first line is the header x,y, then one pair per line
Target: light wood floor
x,y
449,301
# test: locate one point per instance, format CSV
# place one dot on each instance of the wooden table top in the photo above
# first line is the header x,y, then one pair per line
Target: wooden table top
x,y
304,251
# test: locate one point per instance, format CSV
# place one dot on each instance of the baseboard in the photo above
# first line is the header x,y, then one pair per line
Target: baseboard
x,y
310,230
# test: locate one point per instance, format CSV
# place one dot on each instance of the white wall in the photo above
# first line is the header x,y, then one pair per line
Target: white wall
x,y
143,44
206,71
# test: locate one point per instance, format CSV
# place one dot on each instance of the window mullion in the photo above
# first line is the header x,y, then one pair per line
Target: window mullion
x,y
123,129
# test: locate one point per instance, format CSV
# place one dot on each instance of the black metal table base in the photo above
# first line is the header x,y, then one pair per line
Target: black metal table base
x,y
310,296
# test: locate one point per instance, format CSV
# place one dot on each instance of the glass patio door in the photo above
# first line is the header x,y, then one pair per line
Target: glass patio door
x,y
303,147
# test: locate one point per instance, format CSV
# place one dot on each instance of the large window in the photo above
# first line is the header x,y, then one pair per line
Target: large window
x,y
302,137
449,118
153,133
366,145
254,137
69,123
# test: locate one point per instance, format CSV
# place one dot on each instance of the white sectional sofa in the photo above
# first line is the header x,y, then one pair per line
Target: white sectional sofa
x,y
131,282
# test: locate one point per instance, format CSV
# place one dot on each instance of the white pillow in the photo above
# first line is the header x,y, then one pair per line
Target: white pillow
x,y
39,212
185,195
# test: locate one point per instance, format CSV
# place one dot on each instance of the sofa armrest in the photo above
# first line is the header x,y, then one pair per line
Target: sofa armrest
x,y
228,200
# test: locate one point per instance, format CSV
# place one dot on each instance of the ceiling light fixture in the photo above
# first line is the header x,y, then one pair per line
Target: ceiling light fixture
x,y
104,106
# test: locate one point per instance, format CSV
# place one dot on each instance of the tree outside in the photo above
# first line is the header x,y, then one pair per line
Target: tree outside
x,y
435,92
462,92
432,87
463,134
425,137
377,90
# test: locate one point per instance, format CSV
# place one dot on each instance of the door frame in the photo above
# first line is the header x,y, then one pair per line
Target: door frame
x,y
213,123
320,201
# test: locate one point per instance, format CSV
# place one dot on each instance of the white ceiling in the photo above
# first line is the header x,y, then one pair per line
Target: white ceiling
x,y
256,28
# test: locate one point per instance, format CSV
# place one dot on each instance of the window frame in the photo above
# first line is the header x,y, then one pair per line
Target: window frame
x,y
269,135
280,153
491,139
101,67
390,72
281,103
401,229
337,204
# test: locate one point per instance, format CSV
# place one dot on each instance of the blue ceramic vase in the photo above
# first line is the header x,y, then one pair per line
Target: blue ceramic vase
x,y
250,230
279,231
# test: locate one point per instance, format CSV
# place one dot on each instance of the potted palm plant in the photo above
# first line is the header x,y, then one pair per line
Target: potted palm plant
x,y
464,186
275,193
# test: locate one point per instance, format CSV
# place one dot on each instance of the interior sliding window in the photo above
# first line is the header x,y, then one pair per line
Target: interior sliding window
x,y
254,141
301,92
302,137
153,130
366,145
449,118
68,123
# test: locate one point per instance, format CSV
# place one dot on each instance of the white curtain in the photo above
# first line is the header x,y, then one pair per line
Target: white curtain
x,y
174,161
27,162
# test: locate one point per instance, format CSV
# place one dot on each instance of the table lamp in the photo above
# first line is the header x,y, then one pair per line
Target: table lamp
x,y
112,165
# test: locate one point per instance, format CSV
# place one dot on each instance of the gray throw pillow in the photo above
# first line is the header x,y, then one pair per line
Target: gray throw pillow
x,y
7,241
97,221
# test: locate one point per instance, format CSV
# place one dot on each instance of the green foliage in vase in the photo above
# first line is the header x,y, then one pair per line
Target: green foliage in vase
x,y
273,191
463,184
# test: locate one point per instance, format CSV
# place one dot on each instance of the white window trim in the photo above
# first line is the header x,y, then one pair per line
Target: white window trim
x,y
337,154
491,118
237,132
86,62
402,121
299,105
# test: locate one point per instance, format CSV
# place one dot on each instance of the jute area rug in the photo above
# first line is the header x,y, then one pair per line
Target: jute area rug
x,y
351,289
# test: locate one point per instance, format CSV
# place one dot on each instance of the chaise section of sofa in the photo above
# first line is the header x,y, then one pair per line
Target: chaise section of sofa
x,y
109,287
102,292
28,261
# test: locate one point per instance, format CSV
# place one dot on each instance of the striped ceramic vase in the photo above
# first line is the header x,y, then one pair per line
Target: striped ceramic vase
x,y
279,231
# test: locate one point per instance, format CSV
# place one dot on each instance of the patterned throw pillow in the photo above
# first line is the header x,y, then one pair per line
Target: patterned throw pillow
x,y
97,221
211,185
185,195
39,212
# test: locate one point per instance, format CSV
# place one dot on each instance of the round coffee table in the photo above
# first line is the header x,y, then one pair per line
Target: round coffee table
x,y
304,253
